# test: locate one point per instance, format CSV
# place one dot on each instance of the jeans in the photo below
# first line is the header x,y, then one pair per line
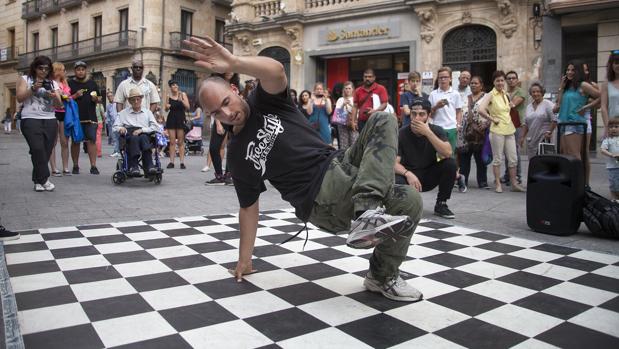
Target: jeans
x,y
41,137
136,145
440,174
214,148
465,165
361,178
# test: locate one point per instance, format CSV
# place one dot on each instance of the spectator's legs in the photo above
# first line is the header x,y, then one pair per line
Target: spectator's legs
x,y
40,136
215,147
133,150
465,163
442,174
147,154
498,144
64,147
482,176
180,135
172,144
98,142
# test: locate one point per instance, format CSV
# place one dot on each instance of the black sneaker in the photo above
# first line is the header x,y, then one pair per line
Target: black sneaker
x,y
76,170
441,210
216,181
183,166
170,165
6,235
228,179
94,170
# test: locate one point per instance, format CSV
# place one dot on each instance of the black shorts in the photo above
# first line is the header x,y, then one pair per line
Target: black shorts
x,y
60,116
90,131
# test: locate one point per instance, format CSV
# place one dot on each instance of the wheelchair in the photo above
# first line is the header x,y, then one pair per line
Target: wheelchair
x,y
122,172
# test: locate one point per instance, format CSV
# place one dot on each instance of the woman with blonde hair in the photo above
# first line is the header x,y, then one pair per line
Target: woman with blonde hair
x,y
58,71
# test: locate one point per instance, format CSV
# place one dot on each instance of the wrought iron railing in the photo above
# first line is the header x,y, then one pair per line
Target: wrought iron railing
x,y
35,8
109,43
176,41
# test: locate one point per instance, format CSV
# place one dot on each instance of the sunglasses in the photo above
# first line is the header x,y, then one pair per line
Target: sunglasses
x,y
43,68
138,67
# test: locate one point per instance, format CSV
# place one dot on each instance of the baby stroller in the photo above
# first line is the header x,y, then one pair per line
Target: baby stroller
x,y
193,141
122,172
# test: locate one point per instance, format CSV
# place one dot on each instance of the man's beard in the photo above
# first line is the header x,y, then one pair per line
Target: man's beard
x,y
368,82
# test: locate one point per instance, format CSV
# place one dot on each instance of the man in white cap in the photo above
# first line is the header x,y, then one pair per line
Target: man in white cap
x,y
135,123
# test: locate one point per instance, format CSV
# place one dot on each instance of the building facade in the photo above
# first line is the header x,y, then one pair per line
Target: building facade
x,y
335,40
108,35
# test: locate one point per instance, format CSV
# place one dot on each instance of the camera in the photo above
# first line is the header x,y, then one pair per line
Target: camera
x,y
47,85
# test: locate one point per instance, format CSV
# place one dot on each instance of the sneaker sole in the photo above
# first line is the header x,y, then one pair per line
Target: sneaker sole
x,y
445,216
393,230
9,238
370,286
215,184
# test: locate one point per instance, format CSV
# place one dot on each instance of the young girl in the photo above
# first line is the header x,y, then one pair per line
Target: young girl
x,y
162,135
610,148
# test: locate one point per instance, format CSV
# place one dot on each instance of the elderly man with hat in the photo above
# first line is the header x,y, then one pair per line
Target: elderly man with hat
x,y
135,123
424,158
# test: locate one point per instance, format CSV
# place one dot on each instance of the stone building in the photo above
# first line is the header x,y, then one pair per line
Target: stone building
x,y
107,35
335,40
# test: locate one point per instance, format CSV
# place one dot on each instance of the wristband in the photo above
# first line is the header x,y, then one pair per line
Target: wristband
x,y
405,172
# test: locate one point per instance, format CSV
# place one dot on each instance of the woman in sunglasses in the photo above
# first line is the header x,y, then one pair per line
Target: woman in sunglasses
x,y
40,96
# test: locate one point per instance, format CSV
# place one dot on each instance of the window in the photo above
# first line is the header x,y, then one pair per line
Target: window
x,y
35,42
186,24
54,40
75,37
124,26
98,24
12,53
219,31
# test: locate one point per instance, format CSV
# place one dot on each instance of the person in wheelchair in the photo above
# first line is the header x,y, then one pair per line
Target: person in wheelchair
x,y
136,124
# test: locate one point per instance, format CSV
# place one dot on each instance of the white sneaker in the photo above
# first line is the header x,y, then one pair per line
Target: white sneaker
x,y
375,226
49,186
205,168
115,155
38,187
395,288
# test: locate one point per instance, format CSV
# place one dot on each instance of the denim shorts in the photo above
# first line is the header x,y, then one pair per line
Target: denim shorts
x,y
613,178
571,129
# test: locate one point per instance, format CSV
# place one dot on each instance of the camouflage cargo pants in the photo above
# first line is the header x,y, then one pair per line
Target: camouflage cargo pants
x,y
363,178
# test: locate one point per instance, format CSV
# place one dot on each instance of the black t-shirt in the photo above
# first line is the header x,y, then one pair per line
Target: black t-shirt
x,y
278,144
416,152
85,104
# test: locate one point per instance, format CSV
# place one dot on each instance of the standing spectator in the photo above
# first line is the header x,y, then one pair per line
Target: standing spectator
x,y
151,96
409,95
321,109
517,101
84,92
447,113
539,122
364,104
100,122
110,116
40,96
464,88
592,102
305,103
65,90
176,103
344,105
293,96
610,148
571,104
8,119
475,141
495,107
419,146
610,90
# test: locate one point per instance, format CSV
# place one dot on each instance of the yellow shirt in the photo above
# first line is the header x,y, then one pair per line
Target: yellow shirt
x,y
498,108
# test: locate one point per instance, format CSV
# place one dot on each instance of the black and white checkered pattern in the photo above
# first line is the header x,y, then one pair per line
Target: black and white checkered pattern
x,y
165,284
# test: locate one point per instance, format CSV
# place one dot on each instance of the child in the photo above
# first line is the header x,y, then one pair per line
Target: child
x,y
610,148
162,137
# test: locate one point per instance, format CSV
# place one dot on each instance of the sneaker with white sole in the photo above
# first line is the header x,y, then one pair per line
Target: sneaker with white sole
x,y
49,186
38,187
375,226
461,181
205,169
6,235
396,288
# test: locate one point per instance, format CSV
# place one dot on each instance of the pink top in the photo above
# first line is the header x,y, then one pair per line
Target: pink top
x,y
66,91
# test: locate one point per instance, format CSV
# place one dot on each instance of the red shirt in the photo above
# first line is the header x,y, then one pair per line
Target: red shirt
x,y
364,96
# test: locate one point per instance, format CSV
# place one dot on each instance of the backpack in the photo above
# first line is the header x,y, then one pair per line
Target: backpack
x,y
601,215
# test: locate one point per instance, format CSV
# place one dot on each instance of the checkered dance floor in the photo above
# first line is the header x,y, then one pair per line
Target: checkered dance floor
x,y
164,284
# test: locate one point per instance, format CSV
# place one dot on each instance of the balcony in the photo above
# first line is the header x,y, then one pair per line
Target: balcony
x,y
103,45
176,41
35,8
8,55
569,6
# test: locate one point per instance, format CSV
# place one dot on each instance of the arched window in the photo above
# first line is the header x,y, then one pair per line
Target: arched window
x,y
471,47
187,81
119,76
279,54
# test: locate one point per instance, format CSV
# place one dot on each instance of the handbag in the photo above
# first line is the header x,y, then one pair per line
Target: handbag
x,y
486,150
187,126
514,114
339,117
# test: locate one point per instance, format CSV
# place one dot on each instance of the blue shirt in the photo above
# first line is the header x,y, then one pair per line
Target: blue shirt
x,y
407,98
111,113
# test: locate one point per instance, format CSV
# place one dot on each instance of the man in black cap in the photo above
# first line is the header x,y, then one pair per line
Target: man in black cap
x,y
424,157
86,96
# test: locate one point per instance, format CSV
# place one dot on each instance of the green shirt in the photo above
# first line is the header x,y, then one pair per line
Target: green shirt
x,y
100,112
522,108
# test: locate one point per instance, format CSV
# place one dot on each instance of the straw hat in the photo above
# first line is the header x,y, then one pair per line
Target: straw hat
x,y
135,92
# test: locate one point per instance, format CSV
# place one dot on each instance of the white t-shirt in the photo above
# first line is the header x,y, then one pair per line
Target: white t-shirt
x,y
611,145
445,117
36,107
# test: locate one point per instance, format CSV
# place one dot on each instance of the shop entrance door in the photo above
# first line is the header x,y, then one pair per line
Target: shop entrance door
x,y
471,47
